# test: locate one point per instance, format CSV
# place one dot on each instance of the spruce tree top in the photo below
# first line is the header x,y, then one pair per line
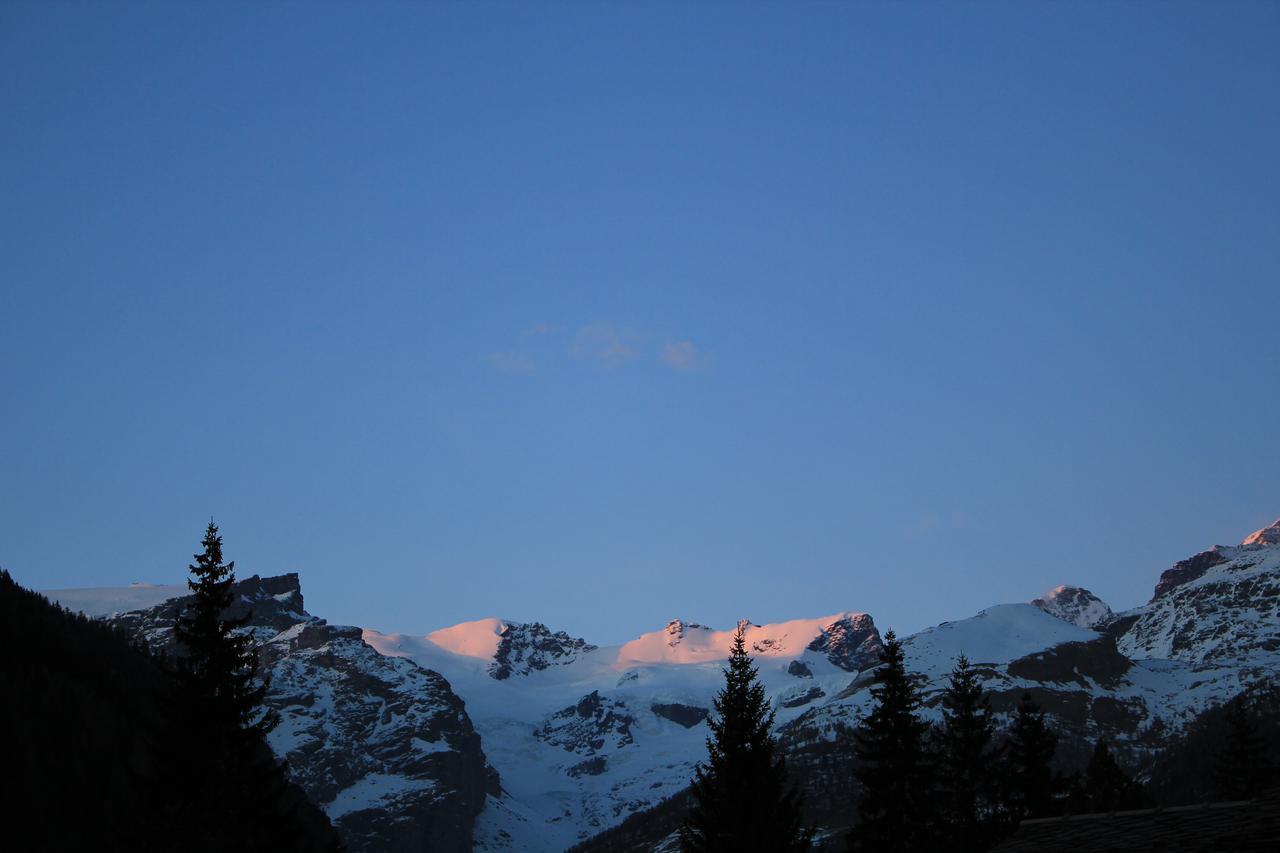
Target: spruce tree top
x,y
742,799
213,579
220,662
743,718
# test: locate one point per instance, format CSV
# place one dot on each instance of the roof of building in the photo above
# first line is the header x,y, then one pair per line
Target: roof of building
x,y
1249,826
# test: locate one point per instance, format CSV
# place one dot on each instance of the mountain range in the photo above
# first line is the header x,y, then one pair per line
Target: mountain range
x,y
508,735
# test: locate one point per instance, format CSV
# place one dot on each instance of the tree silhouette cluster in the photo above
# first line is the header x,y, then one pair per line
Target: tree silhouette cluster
x,y
1231,752
954,786
924,787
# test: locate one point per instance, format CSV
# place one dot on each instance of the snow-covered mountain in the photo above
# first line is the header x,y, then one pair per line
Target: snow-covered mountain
x,y
583,736
511,736
383,745
1075,605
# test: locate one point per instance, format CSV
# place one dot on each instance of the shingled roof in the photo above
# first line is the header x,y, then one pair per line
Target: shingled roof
x,y
1251,826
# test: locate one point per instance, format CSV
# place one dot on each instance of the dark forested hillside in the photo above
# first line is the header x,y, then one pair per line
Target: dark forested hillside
x,y
94,752
642,831
1199,766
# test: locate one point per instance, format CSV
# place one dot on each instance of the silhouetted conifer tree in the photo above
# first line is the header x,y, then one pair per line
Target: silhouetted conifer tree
x,y
1029,780
966,763
236,785
1241,768
897,810
741,798
1104,787
220,664
110,754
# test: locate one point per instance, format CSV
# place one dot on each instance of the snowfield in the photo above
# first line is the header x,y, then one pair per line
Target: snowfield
x,y
381,728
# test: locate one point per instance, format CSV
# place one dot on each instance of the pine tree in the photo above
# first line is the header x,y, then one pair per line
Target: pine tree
x,y
1241,768
741,799
896,811
1029,778
100,723
221,665
1104,786
236,787
965,763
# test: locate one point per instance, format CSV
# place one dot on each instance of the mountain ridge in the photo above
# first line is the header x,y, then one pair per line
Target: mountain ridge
x,y
571,737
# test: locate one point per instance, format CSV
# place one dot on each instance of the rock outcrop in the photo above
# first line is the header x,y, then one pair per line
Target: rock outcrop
x,y
530,647
382,744
852,643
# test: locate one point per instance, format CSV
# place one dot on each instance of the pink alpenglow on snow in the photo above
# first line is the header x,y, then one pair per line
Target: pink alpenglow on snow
x,y
1265,536
690,643
478,639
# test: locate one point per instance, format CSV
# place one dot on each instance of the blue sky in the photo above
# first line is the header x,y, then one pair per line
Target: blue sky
x,y
604,314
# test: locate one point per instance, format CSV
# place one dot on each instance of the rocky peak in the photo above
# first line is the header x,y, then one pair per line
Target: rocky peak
x,y
1265,536
1193,568
273,604
382,744
852,642
523,648
1076,605
676,628
1185,571
1225,613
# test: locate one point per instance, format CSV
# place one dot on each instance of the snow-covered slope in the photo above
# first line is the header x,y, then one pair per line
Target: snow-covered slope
x,y
583,736
1269,535
395,734
1212,627
1222,612
382,744
109,601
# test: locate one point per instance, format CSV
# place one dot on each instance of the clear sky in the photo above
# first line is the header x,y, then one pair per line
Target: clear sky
x,y
604,314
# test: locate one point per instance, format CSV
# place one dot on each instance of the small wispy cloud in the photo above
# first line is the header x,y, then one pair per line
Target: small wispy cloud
x,y
541,345
511,361
539,330
603,342
680,355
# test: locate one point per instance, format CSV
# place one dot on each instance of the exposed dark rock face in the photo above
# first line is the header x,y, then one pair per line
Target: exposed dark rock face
x,y
1076,605
799,669
86,733
1097,660
852,643
802,698
1227,616
591,767
1063,706
590,725
274,604
1118,717
676,629
525,648
862,681
1212,629
1185,571
686,715
1117,626
382,744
